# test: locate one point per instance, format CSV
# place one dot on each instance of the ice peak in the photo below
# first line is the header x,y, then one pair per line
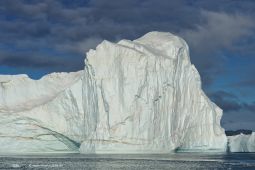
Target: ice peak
x,y
162,44
159,37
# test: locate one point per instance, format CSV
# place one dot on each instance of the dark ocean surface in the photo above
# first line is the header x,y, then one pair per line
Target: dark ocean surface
x,y
176,161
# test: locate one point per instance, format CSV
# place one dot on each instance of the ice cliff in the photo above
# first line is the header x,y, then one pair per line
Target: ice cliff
x,y
141,96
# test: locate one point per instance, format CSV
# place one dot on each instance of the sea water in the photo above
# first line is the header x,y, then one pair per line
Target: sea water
x,y
123,162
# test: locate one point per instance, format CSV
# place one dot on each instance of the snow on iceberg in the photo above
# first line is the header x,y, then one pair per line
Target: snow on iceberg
x,y
141,96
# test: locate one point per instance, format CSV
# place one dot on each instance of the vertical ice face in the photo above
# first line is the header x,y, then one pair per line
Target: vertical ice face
x,y
145,96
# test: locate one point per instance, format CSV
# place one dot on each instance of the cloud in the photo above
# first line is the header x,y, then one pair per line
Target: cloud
x,y
250,82
230,102
226,101
31,60
246,81
237,114
219,32
82,46
19,7
75,27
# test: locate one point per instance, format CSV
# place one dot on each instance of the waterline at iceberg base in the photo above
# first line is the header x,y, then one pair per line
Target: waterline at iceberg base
x,y
141,96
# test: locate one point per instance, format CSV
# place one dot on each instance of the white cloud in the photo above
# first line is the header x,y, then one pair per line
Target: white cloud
x,y
220,30
81,46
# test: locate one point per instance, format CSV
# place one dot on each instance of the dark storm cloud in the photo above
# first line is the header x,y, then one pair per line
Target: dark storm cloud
x,y
75,27
32,60
29,61
247,81
219,32
250,106
19,7
250,82
229,102
226,101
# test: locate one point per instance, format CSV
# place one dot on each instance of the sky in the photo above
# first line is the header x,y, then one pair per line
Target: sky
x,y
38,37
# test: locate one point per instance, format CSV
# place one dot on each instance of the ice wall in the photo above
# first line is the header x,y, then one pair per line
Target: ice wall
x,y
145,96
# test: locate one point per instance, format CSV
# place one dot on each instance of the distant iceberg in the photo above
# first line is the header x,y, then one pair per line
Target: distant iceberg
x,y
141,96
242,143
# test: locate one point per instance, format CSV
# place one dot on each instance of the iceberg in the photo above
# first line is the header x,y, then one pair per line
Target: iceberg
x,y
140,96
242,143
41,116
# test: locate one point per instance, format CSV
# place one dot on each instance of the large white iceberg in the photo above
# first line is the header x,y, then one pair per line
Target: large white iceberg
x,y
141,96
242,143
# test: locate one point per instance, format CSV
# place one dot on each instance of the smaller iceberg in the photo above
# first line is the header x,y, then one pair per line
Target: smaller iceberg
x,y
242,143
